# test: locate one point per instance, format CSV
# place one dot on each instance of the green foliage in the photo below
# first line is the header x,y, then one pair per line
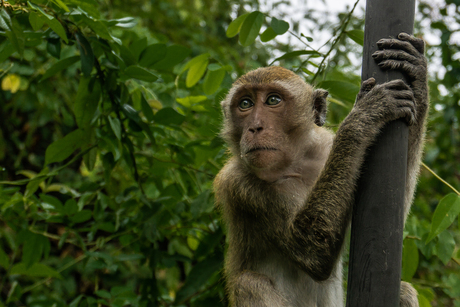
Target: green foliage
x,y
109,144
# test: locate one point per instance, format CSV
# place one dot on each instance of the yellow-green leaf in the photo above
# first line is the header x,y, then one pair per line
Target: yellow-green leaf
x,y
235,26
196,69
444,215
251,27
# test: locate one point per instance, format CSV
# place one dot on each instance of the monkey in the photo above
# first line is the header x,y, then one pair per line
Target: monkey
x,y
287,189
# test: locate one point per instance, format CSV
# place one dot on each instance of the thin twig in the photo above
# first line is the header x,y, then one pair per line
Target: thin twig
x,y
342,31
442,180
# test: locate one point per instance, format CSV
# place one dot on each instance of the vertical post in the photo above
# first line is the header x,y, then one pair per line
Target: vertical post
x,y
377,224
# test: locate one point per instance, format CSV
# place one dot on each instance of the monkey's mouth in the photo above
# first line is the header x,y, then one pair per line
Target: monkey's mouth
x,y
261,149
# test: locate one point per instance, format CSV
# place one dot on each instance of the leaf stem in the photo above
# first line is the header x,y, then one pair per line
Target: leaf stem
x,y
440,179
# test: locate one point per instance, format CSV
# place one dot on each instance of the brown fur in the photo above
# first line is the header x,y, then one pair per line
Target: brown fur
x,y
287,191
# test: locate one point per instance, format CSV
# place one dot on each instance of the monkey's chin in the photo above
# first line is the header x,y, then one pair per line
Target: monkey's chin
x,y
264,159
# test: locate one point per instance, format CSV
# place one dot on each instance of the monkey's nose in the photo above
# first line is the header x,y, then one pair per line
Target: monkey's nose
x,y
256,129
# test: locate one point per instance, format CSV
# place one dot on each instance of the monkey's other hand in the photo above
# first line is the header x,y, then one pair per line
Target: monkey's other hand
x,y
405,53
408,296
382,103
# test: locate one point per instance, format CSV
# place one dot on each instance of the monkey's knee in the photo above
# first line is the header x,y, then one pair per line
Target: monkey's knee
x,y
408,295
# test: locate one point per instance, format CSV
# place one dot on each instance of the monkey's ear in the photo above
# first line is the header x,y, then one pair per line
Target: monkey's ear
x,y
320,106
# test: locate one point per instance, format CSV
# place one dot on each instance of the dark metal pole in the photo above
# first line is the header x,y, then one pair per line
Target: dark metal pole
x,y
374,273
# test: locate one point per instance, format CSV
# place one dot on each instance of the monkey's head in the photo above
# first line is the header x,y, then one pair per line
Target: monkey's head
x,y
267,113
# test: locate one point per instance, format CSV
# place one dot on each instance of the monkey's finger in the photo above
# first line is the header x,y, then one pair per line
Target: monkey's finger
x,y
404,94
393,43
410,69
397,84
368,84
418,43
394,54
406,110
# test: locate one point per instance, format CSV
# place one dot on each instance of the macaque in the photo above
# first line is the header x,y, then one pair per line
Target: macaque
x,y
287,190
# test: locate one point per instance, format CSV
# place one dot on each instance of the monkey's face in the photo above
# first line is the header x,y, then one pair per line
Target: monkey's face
x,y
264,126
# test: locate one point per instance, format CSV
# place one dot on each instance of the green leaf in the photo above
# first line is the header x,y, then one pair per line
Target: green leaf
x,y
146,109
196,69
51,203
357,36
152,54
57,27
198,276
81,216
5,20
58,66
445,246
169,116
279,26
341,89
268,35
235,26
409,260
32,186
208,243
251,27
63,148
131,113
129,257
5,53
76,301
40,10
423,301
125,22
115,125
32,251
87,100
174,55
36,270
201,204
36,21
444,215
61,5
53,46
103,294
213,80
86,54
297,53
140,73
138,46
4,259
70,207
88,6
13,31
98,27
193,102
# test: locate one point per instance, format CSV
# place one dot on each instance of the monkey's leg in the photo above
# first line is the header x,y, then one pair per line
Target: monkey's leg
x,y
408,296
251,289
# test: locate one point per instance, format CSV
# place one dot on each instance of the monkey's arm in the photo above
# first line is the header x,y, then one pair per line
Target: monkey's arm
x,y
406,54
316,234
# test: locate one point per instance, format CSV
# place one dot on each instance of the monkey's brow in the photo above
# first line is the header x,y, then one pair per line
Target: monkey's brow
x,y
254,89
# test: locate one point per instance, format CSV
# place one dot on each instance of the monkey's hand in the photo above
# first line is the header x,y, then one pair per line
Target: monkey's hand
x,y
406,54
382,103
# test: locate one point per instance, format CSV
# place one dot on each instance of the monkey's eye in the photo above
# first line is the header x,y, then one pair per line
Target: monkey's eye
x,y
245,104
273,100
